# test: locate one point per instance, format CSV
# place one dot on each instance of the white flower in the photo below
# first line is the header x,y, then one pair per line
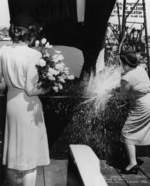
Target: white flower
x,y
56,72
60,86
57,57
53,71
41,28
55,89
46,54
59,66
64,76
60,57
51,77
58,51
43,41
71,77
66,70
37,43
42,62
61,79
48,45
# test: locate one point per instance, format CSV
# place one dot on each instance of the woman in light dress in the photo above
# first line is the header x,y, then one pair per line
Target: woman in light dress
x,y
25,139
136,130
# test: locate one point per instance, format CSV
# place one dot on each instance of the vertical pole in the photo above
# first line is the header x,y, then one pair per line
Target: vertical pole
x,y
118,12
119,25
123,20
80,10
146,37
122,32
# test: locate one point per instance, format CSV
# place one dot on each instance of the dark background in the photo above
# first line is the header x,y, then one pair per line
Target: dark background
x,y
59,20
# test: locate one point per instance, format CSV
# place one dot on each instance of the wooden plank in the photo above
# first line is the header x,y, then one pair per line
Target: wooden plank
x,y
88,165
135,180
114,178
111,175
145,167
143,177
56,173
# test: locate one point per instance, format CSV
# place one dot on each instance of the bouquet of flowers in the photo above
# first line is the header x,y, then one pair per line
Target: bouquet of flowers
x,y
53,73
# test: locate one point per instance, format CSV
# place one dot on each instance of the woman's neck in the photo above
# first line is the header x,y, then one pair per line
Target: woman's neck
x,y
127,69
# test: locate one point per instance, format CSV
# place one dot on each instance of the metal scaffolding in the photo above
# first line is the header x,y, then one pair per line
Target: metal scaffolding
x,y
121,32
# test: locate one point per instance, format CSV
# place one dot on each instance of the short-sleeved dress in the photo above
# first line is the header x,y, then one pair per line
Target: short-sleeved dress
x,y
25,139
136,129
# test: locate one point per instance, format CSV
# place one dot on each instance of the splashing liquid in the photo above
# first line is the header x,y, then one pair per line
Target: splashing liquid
x,y
100,86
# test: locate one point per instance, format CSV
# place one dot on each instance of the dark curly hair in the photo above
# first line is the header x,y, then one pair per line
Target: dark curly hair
x,y
130,59
25,33
24,28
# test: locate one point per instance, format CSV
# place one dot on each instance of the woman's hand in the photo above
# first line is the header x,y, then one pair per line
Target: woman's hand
x,y
125,88
125,85
43,91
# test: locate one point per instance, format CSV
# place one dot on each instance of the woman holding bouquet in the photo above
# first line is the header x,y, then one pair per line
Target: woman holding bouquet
x,y
25,139
136,130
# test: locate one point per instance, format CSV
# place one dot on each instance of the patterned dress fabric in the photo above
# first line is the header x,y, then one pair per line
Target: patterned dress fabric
x,y
25,139
136,129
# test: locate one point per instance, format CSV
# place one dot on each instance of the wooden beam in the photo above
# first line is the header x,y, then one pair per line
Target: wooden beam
x,y
88,165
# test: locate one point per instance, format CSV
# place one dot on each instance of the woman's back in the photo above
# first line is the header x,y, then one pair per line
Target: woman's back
x,y
138,79
25,133
15,62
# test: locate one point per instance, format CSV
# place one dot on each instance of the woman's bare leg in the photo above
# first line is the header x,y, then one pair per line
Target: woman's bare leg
x,y
29,178
131,151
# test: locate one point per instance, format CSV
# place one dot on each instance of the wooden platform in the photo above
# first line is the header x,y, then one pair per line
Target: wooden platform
x,y
56,174
53,175
114,178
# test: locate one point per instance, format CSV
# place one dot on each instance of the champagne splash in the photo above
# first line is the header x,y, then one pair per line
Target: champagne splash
x,y
100,86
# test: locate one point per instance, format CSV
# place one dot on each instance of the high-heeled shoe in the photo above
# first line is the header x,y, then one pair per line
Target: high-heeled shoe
x,y
133,170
